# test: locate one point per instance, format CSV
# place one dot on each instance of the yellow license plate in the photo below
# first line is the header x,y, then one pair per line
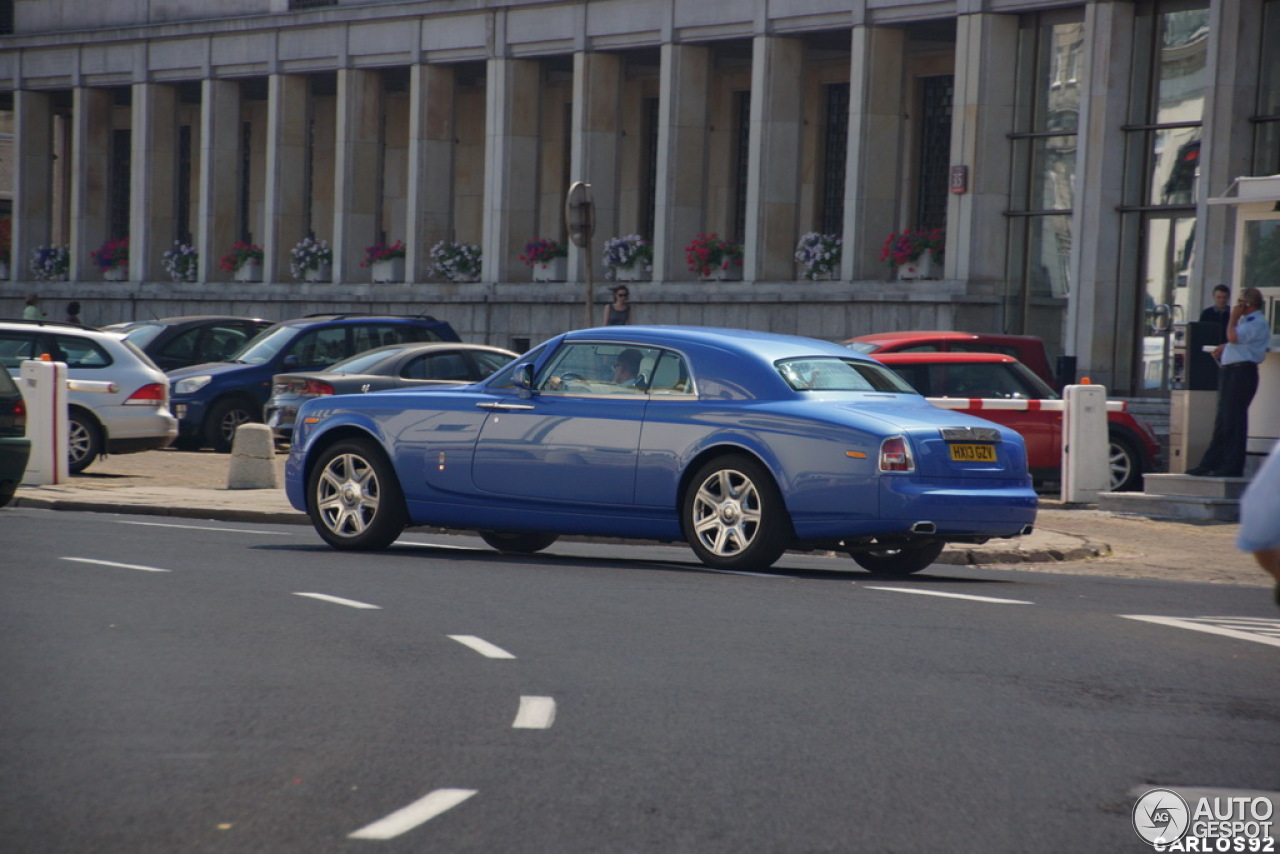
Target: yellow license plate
x,y
973,453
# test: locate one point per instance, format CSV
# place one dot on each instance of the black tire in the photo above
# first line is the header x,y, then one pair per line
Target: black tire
x,y
84,441
354,499
223,419
1125,465
518,543
734,516
903,561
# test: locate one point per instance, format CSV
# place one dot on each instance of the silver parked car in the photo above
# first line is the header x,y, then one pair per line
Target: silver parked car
x,y
134,417
420,365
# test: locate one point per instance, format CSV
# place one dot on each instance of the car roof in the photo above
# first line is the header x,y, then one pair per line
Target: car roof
x,y
197,318
940,335
766,345
354,317
936,358
55,326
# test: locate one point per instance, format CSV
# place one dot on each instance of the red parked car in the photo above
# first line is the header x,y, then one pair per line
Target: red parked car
x,y
1027,349
1134,449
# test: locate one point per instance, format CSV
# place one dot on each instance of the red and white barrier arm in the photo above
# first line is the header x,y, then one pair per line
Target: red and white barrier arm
x,y
978,404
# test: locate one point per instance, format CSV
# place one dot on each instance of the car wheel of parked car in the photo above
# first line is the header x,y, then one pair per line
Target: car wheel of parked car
x,y
84,440
518,543
1126,466
224,418
733,515
903,561
354,499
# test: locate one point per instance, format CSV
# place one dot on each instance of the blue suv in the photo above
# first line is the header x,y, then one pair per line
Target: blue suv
x,y
213,399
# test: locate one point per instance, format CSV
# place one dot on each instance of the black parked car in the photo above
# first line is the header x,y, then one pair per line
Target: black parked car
x,y
15,447
175,342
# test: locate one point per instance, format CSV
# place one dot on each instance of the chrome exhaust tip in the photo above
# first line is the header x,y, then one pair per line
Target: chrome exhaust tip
x,y
924,528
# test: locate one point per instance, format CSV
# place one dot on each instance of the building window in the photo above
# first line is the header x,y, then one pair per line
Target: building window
x,y
742,115
120,181
1266,139
1162,171
1044,140
649,186
182,230
835,147
311,4
936,96
246,163
6,17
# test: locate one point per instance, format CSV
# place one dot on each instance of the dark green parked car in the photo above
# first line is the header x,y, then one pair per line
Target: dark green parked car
x,y
15,447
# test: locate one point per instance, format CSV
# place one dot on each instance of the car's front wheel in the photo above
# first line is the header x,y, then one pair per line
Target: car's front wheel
x,y
518,543
1126,465
223,419
354,499
733,515
84,441
900,561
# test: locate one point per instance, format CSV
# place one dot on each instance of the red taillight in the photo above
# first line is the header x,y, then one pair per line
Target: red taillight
x,y
151,394
895,455
315,388
20,414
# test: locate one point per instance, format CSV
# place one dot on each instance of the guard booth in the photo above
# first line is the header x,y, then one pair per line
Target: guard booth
x,y
1257,264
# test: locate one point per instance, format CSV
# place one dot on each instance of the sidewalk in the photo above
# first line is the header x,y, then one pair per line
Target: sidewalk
x,y
1075,539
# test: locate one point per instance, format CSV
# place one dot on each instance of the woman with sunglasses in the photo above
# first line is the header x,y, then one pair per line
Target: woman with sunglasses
x,y
618,312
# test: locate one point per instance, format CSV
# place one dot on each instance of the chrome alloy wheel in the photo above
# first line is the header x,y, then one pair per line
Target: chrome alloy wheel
x,y
726,513
347,495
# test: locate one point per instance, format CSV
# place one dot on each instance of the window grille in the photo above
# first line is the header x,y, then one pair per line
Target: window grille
x,y
835,151
183,230
121,172
741,155
936,95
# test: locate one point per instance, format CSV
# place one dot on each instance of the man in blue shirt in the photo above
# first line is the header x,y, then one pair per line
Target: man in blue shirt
x,y
1246,347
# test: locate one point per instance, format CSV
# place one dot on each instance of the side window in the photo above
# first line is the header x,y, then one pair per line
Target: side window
x,y
918,348
487,363
182,347
320,347
594,368
438,366
16,348
407,333
917,376
670,376
221,342
80,352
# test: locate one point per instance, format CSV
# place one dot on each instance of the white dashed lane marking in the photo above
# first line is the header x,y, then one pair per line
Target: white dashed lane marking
x,y
418,812
1257,629
483,647
114,563
338,600
971,598
535,713
209,528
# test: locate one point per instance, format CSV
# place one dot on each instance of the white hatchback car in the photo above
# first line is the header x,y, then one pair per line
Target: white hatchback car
x,y
134,417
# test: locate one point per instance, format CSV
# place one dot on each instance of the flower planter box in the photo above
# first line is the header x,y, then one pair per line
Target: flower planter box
x,y
720,274
920,268
463,278
631,274
390,270
323,273
115,274
555,270
249,271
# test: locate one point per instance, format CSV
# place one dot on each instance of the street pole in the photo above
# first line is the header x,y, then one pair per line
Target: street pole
x,y
580,218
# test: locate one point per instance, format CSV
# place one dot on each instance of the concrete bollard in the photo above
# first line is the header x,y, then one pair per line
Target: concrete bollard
x,y
253,455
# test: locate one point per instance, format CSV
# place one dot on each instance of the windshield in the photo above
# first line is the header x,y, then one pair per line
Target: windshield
x,y
827,373
361,362
863,347
263,347
143,334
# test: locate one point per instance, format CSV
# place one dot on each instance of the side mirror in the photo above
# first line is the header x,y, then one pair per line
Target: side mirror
x,y
524,379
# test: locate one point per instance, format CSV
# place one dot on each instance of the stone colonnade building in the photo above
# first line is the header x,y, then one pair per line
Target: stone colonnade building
x,y
1066,151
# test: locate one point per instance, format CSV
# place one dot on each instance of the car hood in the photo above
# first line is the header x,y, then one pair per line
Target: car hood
x,y
212,368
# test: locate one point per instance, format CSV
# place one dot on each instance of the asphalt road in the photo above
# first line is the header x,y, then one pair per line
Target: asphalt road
x,y
202,686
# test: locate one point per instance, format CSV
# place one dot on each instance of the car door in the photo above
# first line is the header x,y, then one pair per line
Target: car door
x,y
576,439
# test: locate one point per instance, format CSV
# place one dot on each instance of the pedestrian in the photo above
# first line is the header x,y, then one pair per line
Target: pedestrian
x,y
618,312
1260,517
73,312
1219,312
33,311
1246,347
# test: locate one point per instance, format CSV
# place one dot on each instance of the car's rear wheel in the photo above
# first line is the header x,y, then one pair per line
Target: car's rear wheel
x,y
902,561
354,499
1126,465
224,418
518,543
84,441
733,515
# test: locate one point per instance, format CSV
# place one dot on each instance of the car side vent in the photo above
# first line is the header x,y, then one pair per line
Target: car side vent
x,y
970,434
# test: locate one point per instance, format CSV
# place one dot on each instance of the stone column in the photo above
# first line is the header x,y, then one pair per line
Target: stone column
x,y
773,159
357,171
430,201
977,231
286,205
218,225
1095,309
90,177
511,163
876,148
153,166
682,152
597,121
32,178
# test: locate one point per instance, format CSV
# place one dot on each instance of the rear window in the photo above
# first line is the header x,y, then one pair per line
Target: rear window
x,y
826,373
